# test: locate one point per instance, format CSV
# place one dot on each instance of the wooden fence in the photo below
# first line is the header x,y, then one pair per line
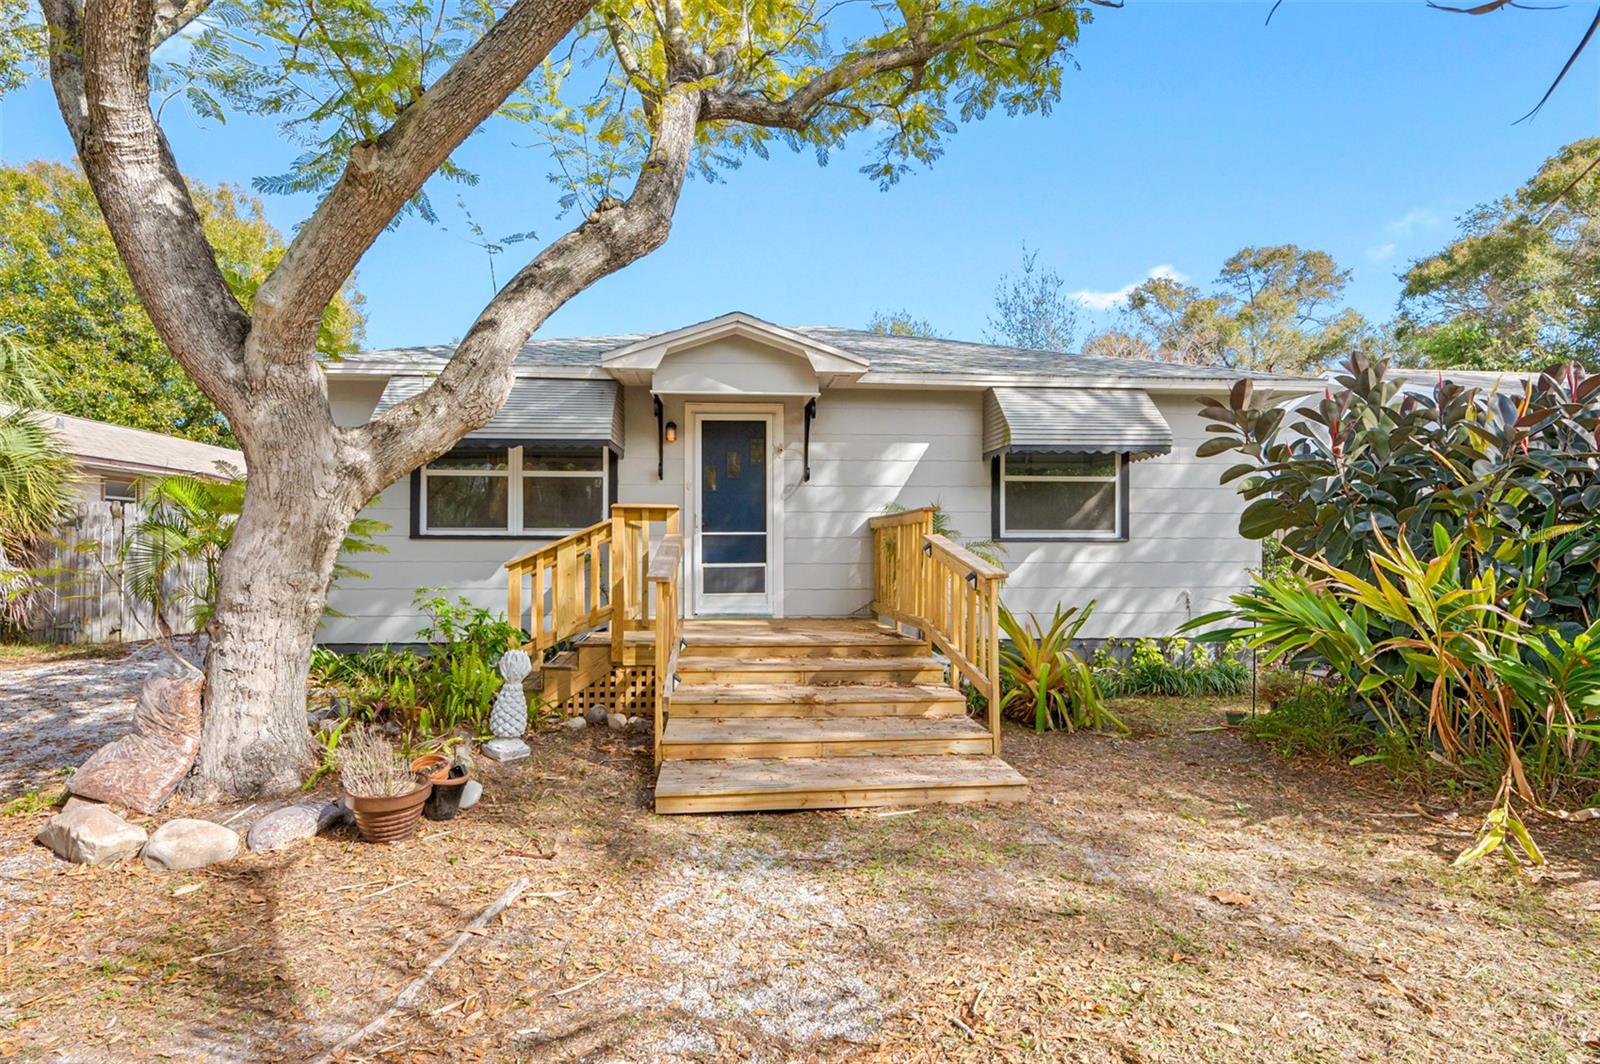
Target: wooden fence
x,y
87,597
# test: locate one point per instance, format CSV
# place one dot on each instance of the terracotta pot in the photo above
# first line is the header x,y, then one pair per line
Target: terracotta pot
x,y
445,801
434,767
389,819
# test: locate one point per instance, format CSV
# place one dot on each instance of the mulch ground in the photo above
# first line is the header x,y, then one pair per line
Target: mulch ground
x,y
1177,895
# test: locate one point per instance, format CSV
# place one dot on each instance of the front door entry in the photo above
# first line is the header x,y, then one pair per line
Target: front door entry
x,y
732,535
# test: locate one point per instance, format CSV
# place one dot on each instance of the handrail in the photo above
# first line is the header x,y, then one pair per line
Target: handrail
x,y
664,574
593,577
951,595
903,517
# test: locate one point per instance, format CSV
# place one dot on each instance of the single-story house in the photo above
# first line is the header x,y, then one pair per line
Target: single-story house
x,y
780,443
701,526
116,462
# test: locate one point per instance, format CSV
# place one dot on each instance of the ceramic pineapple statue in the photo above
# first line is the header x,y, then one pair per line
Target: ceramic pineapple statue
x,y
508,717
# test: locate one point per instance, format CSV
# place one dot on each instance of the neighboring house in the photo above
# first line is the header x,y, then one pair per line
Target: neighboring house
x,y
779,444
116,462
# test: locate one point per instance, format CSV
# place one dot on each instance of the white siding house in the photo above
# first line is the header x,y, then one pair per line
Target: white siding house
x,y
1084,468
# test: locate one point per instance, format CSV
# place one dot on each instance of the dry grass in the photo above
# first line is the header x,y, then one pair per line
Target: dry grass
x,y
21,655
1178,895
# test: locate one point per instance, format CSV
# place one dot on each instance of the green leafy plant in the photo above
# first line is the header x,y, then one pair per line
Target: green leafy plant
x,y
1514,474
1172,667
1044,680
1445,654
1312,718
36,481
174,553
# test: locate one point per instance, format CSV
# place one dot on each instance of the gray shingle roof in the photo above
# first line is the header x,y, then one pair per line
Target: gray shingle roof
x,y
885,354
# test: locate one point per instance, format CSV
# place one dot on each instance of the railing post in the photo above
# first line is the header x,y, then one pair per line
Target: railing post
x,y
992,663
617,555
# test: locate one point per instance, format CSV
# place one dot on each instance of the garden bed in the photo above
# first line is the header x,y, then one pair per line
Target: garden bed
x,y
1178,894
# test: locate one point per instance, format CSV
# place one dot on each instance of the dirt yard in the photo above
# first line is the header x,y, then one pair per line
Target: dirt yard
x,y
1180,895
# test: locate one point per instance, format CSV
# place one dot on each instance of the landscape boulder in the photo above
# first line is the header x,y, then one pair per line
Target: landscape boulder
x,y
91,834
143,768
596,715
288,825
188,843
471,791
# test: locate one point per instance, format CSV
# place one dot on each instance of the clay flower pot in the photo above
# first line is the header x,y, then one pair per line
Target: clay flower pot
x,y
390,818
445,801
434,767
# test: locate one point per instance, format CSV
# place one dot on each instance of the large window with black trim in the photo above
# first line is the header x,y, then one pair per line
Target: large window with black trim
x,y
1061,496
523,492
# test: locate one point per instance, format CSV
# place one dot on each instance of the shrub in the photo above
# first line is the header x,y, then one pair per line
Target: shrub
x,y
370,766
1044,680
1175,667
1313,718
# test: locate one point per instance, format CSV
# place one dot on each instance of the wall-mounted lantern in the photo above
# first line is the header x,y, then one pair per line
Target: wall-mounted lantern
x,y
672,432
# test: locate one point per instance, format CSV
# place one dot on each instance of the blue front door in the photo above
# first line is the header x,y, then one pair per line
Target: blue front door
x,y
732,536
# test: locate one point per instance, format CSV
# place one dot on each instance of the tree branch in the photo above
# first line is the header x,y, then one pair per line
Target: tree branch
x,y
100,71
385,173
478,376
796,109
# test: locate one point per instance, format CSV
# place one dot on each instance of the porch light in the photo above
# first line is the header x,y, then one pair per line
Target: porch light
x,y
672,432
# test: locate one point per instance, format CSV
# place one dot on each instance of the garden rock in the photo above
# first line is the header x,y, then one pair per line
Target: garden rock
x,y
616,721
575,724
91,834
187,843
471,791
288,825
596,715
143,768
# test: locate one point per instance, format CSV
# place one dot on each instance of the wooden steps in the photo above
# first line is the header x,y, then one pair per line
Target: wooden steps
x,y
832,783
767,715
810,700
728,737
809,670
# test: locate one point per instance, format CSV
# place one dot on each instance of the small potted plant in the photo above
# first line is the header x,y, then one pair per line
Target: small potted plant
x,y
384,794
448,783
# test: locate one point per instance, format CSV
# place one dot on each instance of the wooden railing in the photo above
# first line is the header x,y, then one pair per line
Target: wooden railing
x,y
951,595
665,576
578,583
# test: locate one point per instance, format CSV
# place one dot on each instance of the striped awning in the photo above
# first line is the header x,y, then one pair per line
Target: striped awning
x,y
552,412
1074,421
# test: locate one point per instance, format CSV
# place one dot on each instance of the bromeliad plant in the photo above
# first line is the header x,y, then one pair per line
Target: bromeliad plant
x,y
1445,654
1044,680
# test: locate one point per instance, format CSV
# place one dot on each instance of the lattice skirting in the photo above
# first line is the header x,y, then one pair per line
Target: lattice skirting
x,y
629,689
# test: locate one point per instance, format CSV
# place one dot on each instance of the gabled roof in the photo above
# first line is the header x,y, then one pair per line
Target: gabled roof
x,y
872,358
117,447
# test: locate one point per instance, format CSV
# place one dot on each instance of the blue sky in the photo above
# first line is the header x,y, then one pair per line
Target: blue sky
x,y
1189,131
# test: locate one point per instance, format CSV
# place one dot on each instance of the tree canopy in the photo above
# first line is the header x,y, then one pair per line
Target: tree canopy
x,y
1519,288
1273,308
64,292
1032,309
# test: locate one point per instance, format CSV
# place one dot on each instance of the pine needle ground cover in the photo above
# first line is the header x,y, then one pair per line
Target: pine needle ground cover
x,y
1168,895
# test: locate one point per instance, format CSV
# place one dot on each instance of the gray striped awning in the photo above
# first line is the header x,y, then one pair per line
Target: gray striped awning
x,y
550,411
1074,421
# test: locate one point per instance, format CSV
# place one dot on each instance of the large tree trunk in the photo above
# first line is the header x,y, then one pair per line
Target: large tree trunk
x,y
271,593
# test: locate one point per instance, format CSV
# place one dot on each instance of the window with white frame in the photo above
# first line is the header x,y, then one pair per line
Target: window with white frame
x,y
1061,495
118,489
518,491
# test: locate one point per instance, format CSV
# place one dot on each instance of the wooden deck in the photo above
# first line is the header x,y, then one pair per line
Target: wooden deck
x,y
812,714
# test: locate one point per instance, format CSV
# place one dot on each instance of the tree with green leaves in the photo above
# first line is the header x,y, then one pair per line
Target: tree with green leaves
x,y
1519,288
1032,309
901,323
629,98
1274,309
36,478
64,291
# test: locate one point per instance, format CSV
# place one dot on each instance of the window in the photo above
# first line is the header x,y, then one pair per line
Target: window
x,y
1061,495
119,490
517,491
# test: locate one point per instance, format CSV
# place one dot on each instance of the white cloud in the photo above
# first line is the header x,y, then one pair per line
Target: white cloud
x,y
1382,252
1417,219
1107,300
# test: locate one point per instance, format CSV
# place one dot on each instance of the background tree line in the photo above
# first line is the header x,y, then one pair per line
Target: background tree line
x,y
1517,289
